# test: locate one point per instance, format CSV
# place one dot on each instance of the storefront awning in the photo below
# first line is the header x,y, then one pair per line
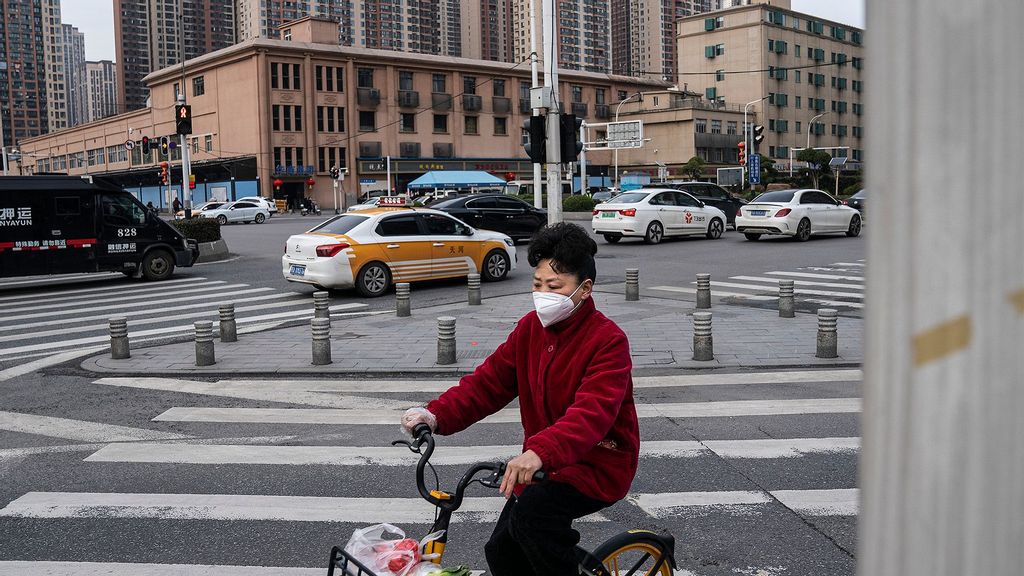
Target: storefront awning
x,y
456,179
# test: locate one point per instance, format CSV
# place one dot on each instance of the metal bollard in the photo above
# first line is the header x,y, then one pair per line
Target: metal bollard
x,y
228,328
119,346
321,341
403,307
703,345
446,340
704,291
828,345
204,343
786,299
474,289
632,284
321,304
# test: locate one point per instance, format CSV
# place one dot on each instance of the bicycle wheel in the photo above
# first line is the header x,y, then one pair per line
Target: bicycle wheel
x,y
636,553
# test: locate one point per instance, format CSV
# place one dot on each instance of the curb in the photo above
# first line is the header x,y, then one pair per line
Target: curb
x,y
213,251
577,216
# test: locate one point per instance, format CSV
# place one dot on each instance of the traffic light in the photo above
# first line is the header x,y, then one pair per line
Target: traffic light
x,y
145,145
758,135
335,172
191,181
536,144
570,141
183,118
742,147
164,145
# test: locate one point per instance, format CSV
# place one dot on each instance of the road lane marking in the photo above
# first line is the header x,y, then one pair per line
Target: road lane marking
x,y
820,276
775,282
121,288
839,502
718,293
80,430
49,310
799,292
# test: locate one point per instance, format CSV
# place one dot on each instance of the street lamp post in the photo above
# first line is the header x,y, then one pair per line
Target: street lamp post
x,y
746,131
616,152
810,126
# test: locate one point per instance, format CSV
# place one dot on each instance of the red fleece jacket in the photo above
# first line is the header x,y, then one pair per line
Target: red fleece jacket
x,y
575,399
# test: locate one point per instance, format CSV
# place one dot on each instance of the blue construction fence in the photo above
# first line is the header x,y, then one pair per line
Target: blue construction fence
x,y
204,192
628,182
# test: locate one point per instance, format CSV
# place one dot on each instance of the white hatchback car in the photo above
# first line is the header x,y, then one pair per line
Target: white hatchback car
x,y
237,212
800,213
267,203
655,213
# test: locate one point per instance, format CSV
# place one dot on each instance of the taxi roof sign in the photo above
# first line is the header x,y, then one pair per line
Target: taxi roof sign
x,y
393,201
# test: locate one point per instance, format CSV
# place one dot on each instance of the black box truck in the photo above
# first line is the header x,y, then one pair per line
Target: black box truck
x,y
69,224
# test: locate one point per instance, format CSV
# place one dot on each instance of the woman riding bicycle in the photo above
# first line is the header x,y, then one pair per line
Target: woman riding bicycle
x,y
570,366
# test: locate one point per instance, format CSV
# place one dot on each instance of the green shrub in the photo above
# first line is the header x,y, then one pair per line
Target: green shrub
x,y
852,189
578,203
198,229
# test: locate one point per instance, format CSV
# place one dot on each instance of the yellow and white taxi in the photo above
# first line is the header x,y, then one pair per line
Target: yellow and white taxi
x,y
371,249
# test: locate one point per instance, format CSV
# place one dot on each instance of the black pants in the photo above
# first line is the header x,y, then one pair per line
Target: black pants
x,y
534,534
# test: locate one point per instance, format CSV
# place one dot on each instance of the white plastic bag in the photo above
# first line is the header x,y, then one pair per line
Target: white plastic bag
x,y
385,549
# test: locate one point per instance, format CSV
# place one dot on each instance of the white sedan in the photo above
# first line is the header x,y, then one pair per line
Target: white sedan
x,y
267,203
655,213
798,213
238,212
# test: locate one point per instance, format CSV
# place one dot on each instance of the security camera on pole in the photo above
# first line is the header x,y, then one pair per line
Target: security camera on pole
x,y
183,127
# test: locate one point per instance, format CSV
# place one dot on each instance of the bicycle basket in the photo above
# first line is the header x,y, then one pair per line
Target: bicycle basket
x,y
349,566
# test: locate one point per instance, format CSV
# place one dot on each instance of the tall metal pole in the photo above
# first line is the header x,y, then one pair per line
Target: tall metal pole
x,y
3,146
186,167
554,177
583,160
538,198
747,132
389,175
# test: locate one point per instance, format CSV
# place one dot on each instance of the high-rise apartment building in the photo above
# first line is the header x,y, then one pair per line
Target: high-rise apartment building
x,y
23,79
101,90
807,70
74,67
262,18
644,35
149,37
55,78
583,37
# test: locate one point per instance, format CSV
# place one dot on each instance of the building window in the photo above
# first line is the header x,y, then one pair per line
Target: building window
x,y
286,118
195,145
319,78
407,122
501,126
731,127
716,126
367,121
198,86
365,77
472,125
208,142
499,87
599,95
177,90
339,82
524,91
296,85
623,95
700,125
798,127
440,123
469,85
298,118
439,83
276,117
797,101
577,94
720,75
404,80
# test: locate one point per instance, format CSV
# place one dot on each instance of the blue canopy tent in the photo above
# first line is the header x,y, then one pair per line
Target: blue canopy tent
x,y
455,179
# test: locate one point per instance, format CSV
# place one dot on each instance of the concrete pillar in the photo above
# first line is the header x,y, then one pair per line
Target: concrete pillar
x,y
704,291
703,344
321,304
827,341
446,340
228,329
403,306
204,343
321,341
474,289
786,309
632,284
119,346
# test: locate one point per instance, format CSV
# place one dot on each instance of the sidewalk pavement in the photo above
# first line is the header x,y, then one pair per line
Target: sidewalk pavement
x,y
660,333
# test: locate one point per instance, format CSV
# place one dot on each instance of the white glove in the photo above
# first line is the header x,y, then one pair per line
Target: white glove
x,y
418,415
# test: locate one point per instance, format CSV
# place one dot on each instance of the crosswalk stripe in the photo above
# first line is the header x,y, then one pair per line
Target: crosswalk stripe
x,y
60,278
775,282
798,292
248,507
861,264
46,568
211,308
718,293
287,390
841,502
128,301
168,331
185,453
382,417
814,275
119,288
78,429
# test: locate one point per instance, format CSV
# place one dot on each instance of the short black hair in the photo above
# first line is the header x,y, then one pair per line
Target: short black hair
x,y
570,249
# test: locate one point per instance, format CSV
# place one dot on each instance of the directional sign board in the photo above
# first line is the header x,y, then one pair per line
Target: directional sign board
x,y
755,169
730,176
629,134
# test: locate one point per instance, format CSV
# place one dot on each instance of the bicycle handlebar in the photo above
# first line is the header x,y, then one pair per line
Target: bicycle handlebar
x,y
422,435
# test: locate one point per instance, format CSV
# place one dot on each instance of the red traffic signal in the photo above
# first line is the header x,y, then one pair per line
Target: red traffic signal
x,y
145,145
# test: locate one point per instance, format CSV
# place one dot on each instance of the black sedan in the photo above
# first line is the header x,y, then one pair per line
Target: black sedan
x,y
498,212
856,201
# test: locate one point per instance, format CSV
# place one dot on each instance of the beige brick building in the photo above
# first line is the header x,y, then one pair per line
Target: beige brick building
x,y
267,110
802,65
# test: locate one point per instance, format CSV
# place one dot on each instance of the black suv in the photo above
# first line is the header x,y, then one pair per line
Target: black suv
x,y
708,193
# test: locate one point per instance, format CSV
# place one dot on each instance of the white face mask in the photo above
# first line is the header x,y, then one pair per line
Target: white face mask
x,y
553,307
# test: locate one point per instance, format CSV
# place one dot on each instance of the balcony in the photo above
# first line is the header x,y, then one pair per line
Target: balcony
x,y
602,112
441,101
579,109
368,97
408,99
501,105
472,103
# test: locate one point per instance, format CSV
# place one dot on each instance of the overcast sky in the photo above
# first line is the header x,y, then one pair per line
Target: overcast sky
x,y
95,18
